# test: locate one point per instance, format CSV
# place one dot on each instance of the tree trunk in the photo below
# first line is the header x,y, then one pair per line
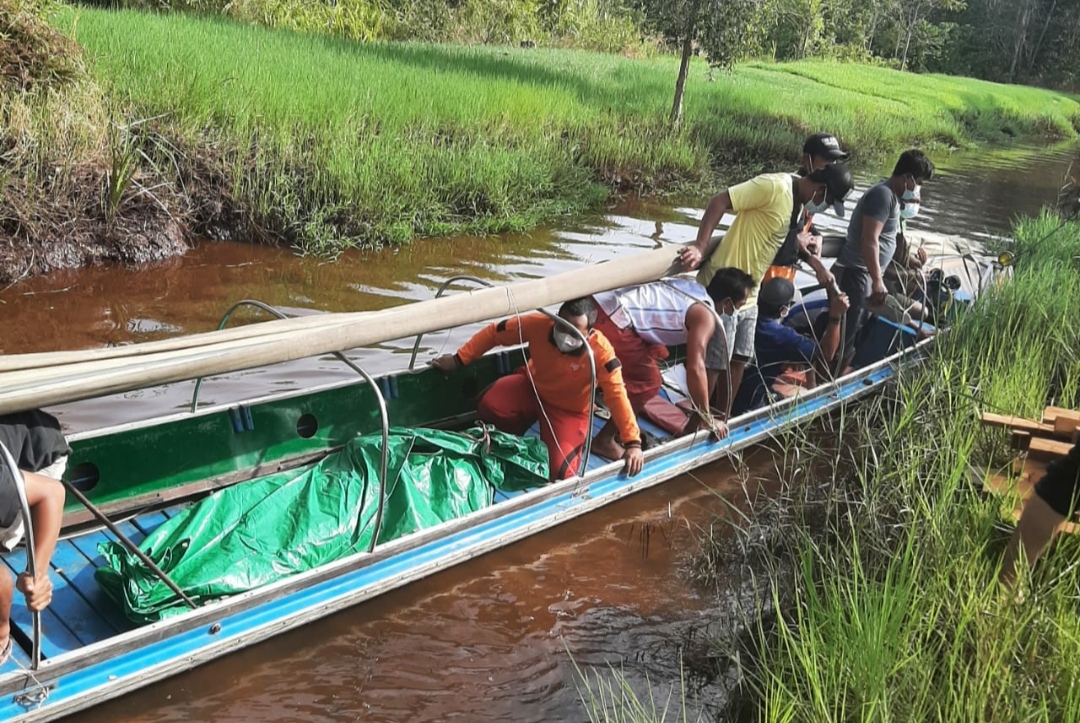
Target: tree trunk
x,y
1042,36
907,45
680,83
1020,38
873,29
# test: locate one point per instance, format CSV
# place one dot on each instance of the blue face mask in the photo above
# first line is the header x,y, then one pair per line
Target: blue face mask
x,y
812,207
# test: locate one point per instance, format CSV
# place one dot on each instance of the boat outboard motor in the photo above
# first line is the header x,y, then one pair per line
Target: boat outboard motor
x,y
944,294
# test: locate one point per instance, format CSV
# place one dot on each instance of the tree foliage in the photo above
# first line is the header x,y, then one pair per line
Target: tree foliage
x,y
1012,41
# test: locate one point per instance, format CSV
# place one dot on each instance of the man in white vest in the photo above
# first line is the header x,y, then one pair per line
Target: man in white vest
x,y
641,322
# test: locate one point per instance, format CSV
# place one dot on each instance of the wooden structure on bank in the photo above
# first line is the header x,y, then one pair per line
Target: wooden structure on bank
x,y
1041,442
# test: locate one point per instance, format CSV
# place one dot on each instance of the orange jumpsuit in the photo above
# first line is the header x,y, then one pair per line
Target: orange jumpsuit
x,y
559,391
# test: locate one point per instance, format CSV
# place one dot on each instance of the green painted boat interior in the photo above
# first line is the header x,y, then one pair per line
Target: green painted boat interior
x,y
240,442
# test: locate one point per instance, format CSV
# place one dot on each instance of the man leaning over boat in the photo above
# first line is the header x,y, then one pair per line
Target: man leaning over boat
x,y
763,207
555,387
803,242
641,322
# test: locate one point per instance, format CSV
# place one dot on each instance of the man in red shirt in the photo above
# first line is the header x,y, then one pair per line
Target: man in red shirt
x,y
555,386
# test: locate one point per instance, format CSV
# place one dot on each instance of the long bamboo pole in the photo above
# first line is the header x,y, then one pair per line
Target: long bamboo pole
x,y
289,339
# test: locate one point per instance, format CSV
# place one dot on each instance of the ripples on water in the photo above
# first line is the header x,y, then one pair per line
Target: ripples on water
x,y
495,639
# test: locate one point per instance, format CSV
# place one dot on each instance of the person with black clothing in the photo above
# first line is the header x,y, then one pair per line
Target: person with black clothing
x,y
1054,499
37,445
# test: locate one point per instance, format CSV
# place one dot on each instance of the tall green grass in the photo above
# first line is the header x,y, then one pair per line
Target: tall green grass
x,y
331,143
889,609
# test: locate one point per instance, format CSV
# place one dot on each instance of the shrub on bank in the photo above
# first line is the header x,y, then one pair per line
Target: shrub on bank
x,y
598,25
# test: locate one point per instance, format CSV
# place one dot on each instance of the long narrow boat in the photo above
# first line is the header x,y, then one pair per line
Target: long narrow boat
x,y
140,475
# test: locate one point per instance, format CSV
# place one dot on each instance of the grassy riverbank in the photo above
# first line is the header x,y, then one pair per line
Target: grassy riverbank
x,y
324,143
878,563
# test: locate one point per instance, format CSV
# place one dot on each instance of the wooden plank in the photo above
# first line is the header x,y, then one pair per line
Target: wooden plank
x,y
1066,426
1017,423
1020,440
149,522
1051,414
78,569
1048,447
69,604
80,377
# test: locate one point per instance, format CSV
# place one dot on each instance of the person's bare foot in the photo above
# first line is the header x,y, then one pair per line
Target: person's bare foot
x,y
608,449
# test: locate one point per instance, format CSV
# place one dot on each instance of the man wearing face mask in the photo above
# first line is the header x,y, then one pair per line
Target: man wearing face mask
x,y
904,279
641,322
803,238
871,240
554,388
762,208
779,347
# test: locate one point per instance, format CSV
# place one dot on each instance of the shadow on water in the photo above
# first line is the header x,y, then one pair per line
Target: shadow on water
x,y
497,638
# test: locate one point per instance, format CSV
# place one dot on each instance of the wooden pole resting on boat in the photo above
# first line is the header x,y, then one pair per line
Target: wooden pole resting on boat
x,y
126,542
26,384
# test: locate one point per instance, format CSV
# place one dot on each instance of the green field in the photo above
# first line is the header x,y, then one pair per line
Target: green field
x,y
326,143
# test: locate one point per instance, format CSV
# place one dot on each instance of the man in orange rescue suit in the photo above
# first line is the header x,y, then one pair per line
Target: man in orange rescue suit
x,y
554,388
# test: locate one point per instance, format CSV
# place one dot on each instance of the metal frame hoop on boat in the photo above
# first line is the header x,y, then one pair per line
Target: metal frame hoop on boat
x,y
28,531
384,417
587,448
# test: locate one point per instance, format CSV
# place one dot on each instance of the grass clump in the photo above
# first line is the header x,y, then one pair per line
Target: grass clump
x,y
34,53
56,209
327,143
884,598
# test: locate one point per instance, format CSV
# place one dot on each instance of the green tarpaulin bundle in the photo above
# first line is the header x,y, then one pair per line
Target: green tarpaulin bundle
x,y
252,534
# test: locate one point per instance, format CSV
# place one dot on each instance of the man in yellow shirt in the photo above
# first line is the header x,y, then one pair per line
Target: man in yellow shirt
x,y
763,207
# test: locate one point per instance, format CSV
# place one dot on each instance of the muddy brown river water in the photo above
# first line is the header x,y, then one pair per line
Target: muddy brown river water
x,y
508,635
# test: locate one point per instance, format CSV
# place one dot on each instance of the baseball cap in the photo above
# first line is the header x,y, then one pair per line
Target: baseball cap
x,y
824,145
776,293
838,184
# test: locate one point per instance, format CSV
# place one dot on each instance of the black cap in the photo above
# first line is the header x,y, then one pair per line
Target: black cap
x,y
838,184
824,145
776,293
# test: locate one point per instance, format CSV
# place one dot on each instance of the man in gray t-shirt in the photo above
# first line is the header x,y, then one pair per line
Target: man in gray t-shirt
x,y
880,203
871,240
